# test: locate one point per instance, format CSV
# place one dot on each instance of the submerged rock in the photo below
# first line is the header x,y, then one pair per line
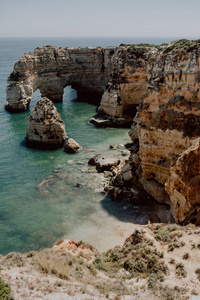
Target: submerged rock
x,y
93,160
71,146
46,128
100,122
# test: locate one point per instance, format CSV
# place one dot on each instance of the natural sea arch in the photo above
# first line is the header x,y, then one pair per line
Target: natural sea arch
x,y
99,75
51,69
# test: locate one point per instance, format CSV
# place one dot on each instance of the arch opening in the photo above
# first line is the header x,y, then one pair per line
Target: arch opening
x,y
86,94
36,96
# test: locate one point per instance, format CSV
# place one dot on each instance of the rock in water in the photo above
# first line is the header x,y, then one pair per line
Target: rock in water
x,y
106,164
71,146
46,128
93,160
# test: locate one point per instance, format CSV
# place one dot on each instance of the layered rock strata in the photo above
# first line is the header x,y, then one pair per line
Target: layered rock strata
x,y
114,76
183,185
46,128
50,69
168,122
127,84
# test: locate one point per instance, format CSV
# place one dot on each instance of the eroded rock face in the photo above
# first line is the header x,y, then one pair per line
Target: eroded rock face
x,y
127,84
50,69
117,73
168,119
46,128
183,185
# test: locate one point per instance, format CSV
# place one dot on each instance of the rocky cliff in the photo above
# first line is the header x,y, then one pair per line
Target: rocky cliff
x,y
168,119
167,122
161,84
50,69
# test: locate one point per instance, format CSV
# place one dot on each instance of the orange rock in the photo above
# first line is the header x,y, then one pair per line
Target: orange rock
x,y
65,244
183,186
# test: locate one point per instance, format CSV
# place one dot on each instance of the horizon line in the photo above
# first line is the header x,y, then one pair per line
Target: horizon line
x,y
126,37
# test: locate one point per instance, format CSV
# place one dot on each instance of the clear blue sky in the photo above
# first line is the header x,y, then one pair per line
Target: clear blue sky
x,y
100,18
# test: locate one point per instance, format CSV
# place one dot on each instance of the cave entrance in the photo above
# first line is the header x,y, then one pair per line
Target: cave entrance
x,y
91,95
130,110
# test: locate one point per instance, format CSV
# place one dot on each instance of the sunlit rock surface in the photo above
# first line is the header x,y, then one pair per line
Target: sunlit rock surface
x,y
50,69
71,146
183,185
46,128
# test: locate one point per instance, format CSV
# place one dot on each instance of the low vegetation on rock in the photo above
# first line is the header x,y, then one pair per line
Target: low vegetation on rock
x,y
143,268
5,291
188,45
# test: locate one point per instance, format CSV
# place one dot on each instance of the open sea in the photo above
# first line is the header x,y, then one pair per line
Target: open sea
x,y
39,200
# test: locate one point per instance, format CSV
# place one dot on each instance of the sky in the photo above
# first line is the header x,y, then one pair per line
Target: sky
x,y
100,18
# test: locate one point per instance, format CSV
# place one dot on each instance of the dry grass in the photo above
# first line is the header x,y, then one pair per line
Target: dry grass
x,y
142,268
62,264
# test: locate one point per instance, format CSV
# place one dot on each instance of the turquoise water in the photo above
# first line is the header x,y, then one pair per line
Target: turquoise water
x,y
32,217
39,203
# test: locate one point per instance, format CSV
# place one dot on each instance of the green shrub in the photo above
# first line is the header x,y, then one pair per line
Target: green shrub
x,y
188,45
5,290
180,270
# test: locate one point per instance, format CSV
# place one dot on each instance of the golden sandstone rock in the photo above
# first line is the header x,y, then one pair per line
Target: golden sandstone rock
x,y
183,185
46,128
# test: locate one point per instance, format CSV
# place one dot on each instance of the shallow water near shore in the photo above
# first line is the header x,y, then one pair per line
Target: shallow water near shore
x,y
39,200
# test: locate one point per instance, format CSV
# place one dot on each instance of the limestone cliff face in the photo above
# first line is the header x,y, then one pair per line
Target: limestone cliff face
x,y
127,83
169,115
119,74
183,185
46,128
50,69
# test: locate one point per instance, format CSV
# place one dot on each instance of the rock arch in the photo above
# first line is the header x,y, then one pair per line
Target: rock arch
x,y
50,69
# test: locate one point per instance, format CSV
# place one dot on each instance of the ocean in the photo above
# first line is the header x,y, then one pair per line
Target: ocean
x,y
39,200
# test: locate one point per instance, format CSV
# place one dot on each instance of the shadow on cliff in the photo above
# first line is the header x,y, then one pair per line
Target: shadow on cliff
x,y
148,211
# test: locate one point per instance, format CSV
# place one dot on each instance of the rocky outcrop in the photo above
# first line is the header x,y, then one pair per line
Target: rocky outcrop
x,y
169,115
183,185
114,76
50,69
127,84
46,128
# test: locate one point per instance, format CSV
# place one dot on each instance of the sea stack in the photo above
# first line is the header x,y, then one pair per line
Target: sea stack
x,y
46,129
